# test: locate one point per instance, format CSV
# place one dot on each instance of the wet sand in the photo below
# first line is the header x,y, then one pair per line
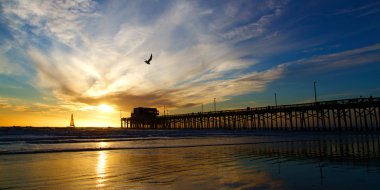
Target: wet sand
x,y
344,162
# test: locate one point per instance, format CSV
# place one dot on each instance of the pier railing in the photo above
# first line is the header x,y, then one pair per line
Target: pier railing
x,y
360,114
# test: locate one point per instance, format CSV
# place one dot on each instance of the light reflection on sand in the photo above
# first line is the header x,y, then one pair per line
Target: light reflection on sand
x,y
103,145
101,169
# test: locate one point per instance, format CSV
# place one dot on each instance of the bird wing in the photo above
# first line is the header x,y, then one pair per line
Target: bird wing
x,y
150,58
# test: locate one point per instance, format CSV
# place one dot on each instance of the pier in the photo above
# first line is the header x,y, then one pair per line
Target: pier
x,y
360,114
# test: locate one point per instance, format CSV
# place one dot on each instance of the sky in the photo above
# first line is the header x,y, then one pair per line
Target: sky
x,y
87,57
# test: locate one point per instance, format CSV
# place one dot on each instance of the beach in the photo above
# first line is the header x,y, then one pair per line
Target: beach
x,y
212,159
164,94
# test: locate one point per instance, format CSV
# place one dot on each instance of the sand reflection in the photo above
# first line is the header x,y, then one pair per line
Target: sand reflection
x,y
101,169
103,145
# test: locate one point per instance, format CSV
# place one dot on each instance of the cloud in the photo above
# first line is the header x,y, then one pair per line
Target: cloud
x,y
89,53
5,46
85,61
252,30
171,86
319,49
21,108
206,12
191,94
265,13
8,68
4,103
368,9
58,20
348,58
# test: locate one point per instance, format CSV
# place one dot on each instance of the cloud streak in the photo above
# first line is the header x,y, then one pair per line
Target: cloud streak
x,y
364,10
333,61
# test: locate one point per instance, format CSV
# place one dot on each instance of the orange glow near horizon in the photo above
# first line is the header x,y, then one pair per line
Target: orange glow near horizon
x,y
105,117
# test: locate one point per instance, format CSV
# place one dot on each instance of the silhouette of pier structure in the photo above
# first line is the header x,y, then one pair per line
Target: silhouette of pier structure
x,y
360,114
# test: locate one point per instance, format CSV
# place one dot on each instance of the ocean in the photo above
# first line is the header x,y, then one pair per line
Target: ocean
x,y
112,158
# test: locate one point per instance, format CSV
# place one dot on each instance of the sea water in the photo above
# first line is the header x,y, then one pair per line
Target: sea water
x,y
192,159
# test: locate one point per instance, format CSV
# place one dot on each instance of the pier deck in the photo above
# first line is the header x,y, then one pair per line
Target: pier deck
x,y
360,114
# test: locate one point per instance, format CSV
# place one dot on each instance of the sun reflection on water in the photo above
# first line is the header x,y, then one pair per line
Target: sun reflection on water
x,y
101,169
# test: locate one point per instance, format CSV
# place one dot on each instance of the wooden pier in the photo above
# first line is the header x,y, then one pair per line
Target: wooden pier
x,y
361,114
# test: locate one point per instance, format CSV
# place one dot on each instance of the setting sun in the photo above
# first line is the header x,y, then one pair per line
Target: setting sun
x,y
105,108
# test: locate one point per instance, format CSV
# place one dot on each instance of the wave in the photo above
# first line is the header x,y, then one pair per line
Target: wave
x,y
12,152
54,140
35,134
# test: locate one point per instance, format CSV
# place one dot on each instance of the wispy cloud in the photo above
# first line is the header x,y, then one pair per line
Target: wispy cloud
x,y
320,48
348,58
7,68
365,10
20,108
264,15
5,45
59,20
4,103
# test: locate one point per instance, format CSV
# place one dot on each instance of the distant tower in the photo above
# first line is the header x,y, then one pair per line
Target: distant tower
x,y
72,121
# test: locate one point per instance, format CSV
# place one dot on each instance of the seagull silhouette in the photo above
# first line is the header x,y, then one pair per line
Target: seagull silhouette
x,y
150,59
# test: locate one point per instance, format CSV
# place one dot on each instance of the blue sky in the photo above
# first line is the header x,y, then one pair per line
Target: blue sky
x,y
73,56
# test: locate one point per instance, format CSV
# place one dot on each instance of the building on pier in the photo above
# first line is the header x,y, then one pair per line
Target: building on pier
x,y
141,118
144,113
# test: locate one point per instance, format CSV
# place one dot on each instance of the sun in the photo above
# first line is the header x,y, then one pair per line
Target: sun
x,y
105,108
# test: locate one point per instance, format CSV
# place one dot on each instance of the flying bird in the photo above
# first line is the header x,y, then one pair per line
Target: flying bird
x,y
150,59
